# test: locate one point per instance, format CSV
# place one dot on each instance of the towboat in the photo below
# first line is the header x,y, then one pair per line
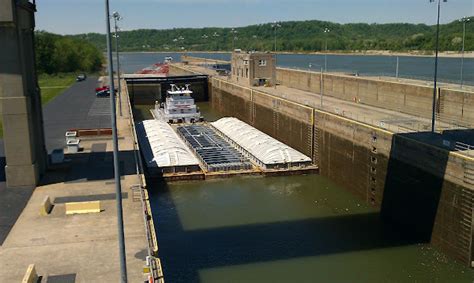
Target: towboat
x,y
179,107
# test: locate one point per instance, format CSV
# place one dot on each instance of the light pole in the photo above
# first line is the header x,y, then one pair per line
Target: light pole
x,y
398,67
464,21
321,82
233,31
216,36
181,40
326,32
117,18
433,116
275,26
204,37
118,190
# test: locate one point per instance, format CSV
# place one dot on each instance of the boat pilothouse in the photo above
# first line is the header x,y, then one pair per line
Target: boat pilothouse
x,y
178,107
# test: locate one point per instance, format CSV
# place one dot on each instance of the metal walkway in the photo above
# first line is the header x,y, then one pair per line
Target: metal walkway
x,y
214,153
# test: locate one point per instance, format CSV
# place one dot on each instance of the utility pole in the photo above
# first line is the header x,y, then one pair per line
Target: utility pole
x,y
435,80
464,21
117,18
118,190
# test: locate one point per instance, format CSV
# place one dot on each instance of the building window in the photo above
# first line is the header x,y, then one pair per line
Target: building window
x,y
262,63
246,72
246,62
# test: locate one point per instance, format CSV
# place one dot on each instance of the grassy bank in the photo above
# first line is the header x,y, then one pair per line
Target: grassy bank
x,y
51,86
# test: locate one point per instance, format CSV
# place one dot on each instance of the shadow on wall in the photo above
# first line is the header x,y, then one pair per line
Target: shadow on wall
x,y
411,195
185,252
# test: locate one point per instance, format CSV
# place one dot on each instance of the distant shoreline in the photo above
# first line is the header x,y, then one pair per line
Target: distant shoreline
x,y
446,54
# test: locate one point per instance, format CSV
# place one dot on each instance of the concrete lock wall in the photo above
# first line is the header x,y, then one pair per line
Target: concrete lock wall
x,y
416,186
267,113
20,98
178,71
404,97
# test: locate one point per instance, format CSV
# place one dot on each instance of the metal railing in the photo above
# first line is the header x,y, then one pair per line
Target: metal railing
x,y
465,148
156,274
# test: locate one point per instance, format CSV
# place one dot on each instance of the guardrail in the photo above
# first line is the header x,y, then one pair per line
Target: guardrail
x,y
466,148
153,262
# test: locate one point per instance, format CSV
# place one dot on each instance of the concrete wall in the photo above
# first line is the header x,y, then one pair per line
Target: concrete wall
x,y
287,121
404,97
20,98
420,188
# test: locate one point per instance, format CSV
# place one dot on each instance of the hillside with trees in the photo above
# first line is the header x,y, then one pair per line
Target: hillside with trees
x,y
299,36
61,54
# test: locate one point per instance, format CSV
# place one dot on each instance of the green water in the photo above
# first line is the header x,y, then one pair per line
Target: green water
x,y
285,229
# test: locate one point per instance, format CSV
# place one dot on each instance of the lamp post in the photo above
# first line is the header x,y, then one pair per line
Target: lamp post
x,y
118,190
233,31
435,80
117,18
321,82
216,37
326,32
397,69
275,26
464,21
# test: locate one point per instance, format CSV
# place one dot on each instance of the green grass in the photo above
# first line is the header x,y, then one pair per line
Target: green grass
x,y
51,86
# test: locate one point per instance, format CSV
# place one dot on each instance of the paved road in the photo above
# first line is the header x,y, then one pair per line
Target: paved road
x,y
77,107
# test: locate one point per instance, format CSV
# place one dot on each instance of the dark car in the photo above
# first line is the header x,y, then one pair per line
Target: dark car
x,y
81,77
103,93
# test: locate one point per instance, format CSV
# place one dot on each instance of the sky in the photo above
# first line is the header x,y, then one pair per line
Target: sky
x,y
72,17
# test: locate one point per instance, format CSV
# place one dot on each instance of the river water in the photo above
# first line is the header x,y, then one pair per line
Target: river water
x,y
409,66
285,229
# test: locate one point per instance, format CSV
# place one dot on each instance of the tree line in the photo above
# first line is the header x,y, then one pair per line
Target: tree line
x,y
301,36
64,54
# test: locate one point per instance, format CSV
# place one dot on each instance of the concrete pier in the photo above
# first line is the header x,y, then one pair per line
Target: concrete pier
x,y
20,99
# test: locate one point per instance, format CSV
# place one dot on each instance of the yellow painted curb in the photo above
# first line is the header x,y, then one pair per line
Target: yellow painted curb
x,y
82,207
30,275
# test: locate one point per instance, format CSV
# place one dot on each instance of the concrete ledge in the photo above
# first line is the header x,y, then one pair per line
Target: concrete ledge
x,y
82,207
46,206
30,275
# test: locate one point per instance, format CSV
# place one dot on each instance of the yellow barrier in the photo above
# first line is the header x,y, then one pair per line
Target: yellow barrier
x,y
83,207
30,275
46,206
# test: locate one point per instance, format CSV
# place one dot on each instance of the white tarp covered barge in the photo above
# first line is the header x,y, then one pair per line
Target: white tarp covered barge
x,y
163,150
261,148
